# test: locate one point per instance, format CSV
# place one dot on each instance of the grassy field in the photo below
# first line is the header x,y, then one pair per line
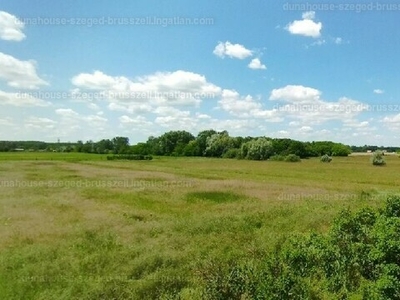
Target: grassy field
x,y
77,226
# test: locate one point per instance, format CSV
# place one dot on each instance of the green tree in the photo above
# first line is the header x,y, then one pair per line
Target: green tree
x,y
218,144
141,149
154,145
339,149
191,149
174,142
120,145
201,140
79,146
258,149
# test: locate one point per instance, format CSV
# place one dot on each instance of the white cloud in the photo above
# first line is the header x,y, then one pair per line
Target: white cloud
x,y
305,129
308,15
21,100
202,116
234,126
40,123
179,88
256,64
338,41
295,93
392,122
173,118
232,50
6,122
11,27
73,123
318,43
305,104
19,74
379,91
138,121
67,112
99,81
237,106
306,27
132,108
245,107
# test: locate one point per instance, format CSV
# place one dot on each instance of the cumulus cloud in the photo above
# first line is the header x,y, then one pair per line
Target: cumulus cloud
x,y
256,64
232,50
179,88
306,27
19,74
98,81
306,104
10,27
245,107
21,100
137,121
295,93
170,117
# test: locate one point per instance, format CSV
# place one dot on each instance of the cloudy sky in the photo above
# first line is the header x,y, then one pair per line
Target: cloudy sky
x,y
84,69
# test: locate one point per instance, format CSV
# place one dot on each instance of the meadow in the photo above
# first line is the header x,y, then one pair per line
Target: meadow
x,y
76,226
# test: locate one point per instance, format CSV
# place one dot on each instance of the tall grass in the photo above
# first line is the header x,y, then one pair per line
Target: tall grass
x,y
166,221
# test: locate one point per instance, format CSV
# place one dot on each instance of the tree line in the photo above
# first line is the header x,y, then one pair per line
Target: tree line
x,y
207,143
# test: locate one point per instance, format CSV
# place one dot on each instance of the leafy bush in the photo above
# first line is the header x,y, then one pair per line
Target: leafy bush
x,y
359,258
292,158
231,153
326,158
277,158
377,158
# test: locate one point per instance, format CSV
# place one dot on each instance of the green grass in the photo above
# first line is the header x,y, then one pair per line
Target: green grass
x,y
76,226
57,156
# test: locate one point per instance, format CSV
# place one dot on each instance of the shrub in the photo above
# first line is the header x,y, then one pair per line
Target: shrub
x,y
277,158
292,158
377,158
326,158
358,258
231,153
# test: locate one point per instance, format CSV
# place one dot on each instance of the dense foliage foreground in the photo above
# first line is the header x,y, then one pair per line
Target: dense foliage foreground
x,y
358,258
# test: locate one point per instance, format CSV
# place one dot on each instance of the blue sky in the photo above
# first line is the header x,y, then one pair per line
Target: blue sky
x,y
80,70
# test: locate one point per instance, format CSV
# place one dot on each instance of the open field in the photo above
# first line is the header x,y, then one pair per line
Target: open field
x,y
77,226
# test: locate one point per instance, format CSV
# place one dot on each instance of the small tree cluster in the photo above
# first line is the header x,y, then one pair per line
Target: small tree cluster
x,y
377,159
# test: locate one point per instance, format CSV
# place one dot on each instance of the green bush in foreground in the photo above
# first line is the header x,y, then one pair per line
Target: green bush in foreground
x,y
359,258
377,159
